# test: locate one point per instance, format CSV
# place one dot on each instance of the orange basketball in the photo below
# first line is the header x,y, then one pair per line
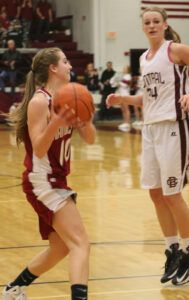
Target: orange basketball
x,y
76,96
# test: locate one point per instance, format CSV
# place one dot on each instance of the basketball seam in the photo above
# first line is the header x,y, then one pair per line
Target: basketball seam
x,y
86,106
75,98
76,104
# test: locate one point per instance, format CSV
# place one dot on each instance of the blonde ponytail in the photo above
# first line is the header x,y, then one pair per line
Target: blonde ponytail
x,y
37,76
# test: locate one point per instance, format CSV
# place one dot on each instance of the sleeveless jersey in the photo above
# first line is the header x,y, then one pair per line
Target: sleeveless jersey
x,y
163,84
52,169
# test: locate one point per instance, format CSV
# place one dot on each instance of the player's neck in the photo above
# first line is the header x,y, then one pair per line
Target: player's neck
x,y
155,45
51,87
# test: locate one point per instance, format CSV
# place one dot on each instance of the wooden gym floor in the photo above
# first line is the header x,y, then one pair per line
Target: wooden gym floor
x,y
127,245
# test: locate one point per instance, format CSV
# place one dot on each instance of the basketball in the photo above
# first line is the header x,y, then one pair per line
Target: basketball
x,y
77,97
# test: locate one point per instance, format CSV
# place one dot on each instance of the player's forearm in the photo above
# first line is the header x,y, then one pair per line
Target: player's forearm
x,y
115,99
131,100
43,141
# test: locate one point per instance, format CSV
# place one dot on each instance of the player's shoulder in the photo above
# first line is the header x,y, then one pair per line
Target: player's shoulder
x,y
40,99
175,47
179,52
39,102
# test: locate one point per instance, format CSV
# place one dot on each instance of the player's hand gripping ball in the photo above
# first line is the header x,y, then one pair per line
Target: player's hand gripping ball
x,y
77,97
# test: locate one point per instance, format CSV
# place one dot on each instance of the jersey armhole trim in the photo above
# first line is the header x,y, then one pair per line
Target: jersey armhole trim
x,y
169,52
43,91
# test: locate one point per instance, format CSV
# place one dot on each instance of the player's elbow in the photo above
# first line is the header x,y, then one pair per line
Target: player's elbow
x,y
90,140
88,133
39,154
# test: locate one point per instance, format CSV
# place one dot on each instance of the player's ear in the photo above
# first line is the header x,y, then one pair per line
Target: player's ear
x,y
52,68
166,25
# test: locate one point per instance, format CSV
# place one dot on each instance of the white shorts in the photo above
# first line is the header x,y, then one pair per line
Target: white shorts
x,y
165,156
52,198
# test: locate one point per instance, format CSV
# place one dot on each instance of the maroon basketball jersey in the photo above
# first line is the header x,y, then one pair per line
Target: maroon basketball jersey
x,y
55,165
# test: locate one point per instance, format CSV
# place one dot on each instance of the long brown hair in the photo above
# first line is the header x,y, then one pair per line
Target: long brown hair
x,y
170,34
36,77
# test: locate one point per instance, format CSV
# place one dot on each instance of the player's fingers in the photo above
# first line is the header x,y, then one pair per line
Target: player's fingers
x,y
71,118
63,109
79,123
66,112
184,102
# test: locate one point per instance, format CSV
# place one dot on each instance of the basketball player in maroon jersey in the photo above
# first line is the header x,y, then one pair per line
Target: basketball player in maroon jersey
x,y
165,133
46,137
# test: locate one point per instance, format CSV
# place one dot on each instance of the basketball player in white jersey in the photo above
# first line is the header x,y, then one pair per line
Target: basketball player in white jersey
x,y
46,137
165,134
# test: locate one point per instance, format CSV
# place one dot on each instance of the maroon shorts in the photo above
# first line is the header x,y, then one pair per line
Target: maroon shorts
x,y
51,199
45,216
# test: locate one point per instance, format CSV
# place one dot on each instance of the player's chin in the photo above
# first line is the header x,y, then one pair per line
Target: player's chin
x,y
66,78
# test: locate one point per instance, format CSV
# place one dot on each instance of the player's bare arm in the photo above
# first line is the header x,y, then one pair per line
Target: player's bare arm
x,y
114,99
180,55
42,125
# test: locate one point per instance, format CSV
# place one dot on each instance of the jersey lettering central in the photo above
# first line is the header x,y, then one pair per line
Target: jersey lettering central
x,y
163,84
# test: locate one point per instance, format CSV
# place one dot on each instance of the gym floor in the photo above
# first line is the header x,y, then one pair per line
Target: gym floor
x,y
127,247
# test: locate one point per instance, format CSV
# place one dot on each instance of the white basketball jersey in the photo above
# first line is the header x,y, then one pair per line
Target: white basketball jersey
x,y
163,84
